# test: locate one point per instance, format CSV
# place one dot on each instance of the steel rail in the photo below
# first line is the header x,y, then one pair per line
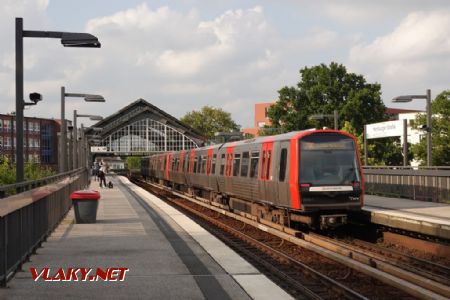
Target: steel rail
x,y
429,269
378,262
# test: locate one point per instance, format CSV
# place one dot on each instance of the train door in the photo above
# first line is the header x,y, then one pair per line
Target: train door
x,y
209,174
229,169
190,171
221,159
265,176
282,173
168,167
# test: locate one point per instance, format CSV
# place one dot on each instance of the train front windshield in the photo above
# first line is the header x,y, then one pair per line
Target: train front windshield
x,y
328,159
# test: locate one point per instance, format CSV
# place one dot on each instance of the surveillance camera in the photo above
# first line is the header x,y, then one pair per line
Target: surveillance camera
x,y
35,97
70,127
424,128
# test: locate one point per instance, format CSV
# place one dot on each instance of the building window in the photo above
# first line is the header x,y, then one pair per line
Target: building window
x,y
266,112
261,124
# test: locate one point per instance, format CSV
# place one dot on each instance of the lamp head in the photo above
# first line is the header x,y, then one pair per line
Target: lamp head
x,y
35,97
94,98
74,39
317,117
402,99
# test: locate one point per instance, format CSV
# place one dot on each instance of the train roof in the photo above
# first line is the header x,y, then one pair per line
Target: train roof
x,y
262,139
271,138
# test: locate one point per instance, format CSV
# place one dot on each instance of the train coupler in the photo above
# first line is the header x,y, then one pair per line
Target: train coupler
x,y
332,221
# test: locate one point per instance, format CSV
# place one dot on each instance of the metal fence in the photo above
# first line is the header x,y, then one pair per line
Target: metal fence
x,y
28,218
11,189
416,183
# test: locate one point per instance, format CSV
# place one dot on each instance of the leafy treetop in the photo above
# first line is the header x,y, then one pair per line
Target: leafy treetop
x,y
210,120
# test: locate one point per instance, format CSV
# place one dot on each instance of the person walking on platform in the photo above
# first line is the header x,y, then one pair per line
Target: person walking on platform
x,y
102,173
96,170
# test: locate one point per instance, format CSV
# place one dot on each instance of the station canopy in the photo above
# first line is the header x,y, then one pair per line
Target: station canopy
x,y
141,129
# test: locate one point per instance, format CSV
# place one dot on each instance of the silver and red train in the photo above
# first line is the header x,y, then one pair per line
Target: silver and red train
x,y
307,177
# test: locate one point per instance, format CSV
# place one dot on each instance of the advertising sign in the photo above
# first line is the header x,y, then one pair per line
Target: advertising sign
x,y
384,129
98,149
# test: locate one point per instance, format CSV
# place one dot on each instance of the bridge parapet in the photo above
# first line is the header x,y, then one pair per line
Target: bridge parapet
x,y
28,218
416,183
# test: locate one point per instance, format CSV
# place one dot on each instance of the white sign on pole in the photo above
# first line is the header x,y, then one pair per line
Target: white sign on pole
x,y
384,129
98,149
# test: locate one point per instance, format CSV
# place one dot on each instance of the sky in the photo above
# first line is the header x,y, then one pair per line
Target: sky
x,y
183,55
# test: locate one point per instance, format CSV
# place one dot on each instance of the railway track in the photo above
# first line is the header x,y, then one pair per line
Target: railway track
x,y
425,268
321,268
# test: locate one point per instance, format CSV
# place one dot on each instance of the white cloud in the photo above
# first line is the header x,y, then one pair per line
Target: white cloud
x,y
411,58
177,60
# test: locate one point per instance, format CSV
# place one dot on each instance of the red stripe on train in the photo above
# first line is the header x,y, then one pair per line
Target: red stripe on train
x,y
293,174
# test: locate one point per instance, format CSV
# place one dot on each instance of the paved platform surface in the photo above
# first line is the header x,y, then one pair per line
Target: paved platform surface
x,y
164,260
419,216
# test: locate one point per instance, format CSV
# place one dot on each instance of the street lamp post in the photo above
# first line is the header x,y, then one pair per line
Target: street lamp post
x,y
68,39
63,140
70,161
323,116
75,136
427,97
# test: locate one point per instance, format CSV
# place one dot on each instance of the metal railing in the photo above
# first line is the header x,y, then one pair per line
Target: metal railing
x,y
416,183
10,189
28,218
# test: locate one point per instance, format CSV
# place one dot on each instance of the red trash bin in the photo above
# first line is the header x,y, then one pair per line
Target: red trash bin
x,y
85,203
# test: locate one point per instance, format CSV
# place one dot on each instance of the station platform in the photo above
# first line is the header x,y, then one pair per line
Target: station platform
x,y
418,216
168,256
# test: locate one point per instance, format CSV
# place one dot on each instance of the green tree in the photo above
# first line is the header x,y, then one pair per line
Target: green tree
x,y
7,172
210,120
133,162
440,109
33,171
323,89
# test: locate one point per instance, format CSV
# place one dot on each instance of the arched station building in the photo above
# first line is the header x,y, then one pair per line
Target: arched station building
x,y
141,129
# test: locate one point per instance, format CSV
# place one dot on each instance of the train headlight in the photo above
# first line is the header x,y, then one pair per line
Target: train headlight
x,y
332,220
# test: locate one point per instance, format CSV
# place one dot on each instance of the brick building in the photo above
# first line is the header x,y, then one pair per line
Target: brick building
x,y
40,144
261,118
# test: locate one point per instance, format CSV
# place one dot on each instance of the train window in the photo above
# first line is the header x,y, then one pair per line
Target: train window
x,y
283,161
328,159
245,162
229,164
213,168
203,166
222,165
180,164
199,164
269,160
236,164
195,164
186,163
254,163
263,164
